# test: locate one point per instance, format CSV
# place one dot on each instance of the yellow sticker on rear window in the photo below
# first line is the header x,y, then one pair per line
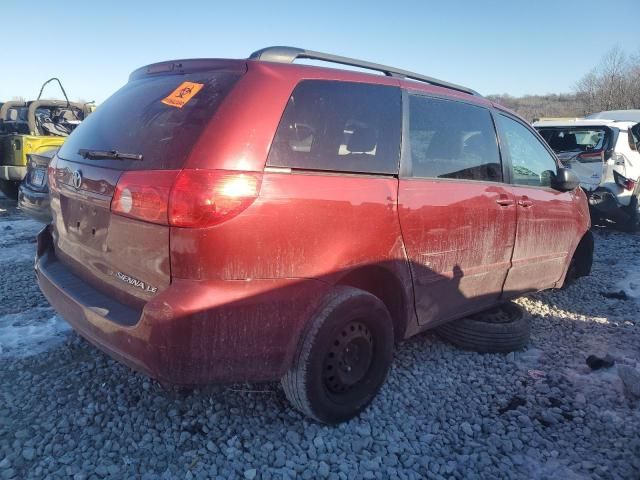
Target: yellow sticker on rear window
x,y
181,95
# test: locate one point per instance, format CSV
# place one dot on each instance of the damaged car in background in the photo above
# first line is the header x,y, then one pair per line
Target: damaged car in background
x,y
33,127
605,155
33,195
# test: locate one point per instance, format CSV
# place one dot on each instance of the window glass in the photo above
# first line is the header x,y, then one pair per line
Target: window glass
x,y
634,136
575,139
451,139
531,163
135,120
340,126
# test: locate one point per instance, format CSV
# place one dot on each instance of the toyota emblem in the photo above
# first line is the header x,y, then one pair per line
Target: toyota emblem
x,y
77,178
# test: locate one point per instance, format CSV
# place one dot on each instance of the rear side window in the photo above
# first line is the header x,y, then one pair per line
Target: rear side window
x,y
135,120
339,126
450,139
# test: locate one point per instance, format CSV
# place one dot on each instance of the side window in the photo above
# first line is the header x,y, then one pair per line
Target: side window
x,y
450,139
532,164
340,126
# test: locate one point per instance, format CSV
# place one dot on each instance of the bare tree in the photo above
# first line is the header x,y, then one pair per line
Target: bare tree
x,y
612,84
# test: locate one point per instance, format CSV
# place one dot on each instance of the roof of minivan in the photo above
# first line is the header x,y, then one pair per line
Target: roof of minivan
x,y
586,123
303,71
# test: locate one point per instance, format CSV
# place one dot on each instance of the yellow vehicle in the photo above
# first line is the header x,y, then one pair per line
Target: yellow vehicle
x,y
33,127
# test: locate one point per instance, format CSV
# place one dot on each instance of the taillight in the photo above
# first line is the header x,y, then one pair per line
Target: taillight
x,y
623,181
187,198
202,198
591,157
629,184
51,173
144,195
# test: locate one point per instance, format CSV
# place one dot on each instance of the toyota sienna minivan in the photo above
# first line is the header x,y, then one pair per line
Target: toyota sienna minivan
x,y
259,220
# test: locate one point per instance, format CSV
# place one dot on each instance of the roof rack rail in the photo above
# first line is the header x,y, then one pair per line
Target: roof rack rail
x,y
289,54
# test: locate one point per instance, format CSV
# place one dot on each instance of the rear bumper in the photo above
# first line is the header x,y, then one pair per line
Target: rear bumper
x,y
607,204
194,332
12,172
35,204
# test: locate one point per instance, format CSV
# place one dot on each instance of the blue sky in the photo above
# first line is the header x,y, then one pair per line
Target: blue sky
x,y
510,47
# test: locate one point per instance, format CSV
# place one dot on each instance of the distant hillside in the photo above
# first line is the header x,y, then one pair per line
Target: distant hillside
x,y
532,107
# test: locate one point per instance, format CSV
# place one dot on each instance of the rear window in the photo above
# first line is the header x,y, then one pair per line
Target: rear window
x,y
340,126
575,139
135,120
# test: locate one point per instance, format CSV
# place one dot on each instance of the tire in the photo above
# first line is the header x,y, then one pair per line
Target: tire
x,y
582,260
499,330
9,188
349,320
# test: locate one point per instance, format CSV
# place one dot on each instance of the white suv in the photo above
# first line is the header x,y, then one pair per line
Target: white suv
x,y
605,154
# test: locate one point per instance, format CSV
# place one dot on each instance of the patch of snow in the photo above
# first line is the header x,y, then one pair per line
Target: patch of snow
x,y
17,253
18,240
30,333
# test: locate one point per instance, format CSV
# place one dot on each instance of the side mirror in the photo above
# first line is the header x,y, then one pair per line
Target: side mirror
x,y
565,180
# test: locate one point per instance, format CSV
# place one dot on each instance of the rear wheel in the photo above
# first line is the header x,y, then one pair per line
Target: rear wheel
x,y
343,359
10,188
498,330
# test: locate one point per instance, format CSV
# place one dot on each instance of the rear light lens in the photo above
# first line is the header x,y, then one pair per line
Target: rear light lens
x,y
187,198
623,181
591,157
51,173
202,198
144,195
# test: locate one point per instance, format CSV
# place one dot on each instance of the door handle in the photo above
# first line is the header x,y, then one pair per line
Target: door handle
x,y
504,201
525,202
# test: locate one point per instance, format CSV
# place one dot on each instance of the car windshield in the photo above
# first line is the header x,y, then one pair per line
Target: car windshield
x,y
575,139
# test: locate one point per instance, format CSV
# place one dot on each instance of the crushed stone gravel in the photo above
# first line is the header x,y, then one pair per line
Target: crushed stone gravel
x,y
69,411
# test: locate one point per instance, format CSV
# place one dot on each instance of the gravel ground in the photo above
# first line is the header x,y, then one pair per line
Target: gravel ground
x,y
68,411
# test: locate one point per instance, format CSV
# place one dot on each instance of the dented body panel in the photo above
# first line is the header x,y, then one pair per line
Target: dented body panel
x,y
459,241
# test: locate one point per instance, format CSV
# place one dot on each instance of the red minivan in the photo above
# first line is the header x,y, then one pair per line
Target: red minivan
x,y
255,220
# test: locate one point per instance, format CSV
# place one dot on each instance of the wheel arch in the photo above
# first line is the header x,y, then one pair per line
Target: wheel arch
x,y
388,287
584,254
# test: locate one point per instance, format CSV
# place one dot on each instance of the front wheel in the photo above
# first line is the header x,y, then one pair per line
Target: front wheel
x,y
343,358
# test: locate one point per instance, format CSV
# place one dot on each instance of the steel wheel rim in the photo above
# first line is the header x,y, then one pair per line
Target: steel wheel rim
x,y
348,358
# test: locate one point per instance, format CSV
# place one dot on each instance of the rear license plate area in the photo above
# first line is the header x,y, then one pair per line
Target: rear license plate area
x,y
37,177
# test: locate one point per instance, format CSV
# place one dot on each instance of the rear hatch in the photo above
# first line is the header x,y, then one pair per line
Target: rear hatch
x,y
583,149
132,147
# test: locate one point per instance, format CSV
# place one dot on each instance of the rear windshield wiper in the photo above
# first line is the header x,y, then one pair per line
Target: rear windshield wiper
x,y
109,155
